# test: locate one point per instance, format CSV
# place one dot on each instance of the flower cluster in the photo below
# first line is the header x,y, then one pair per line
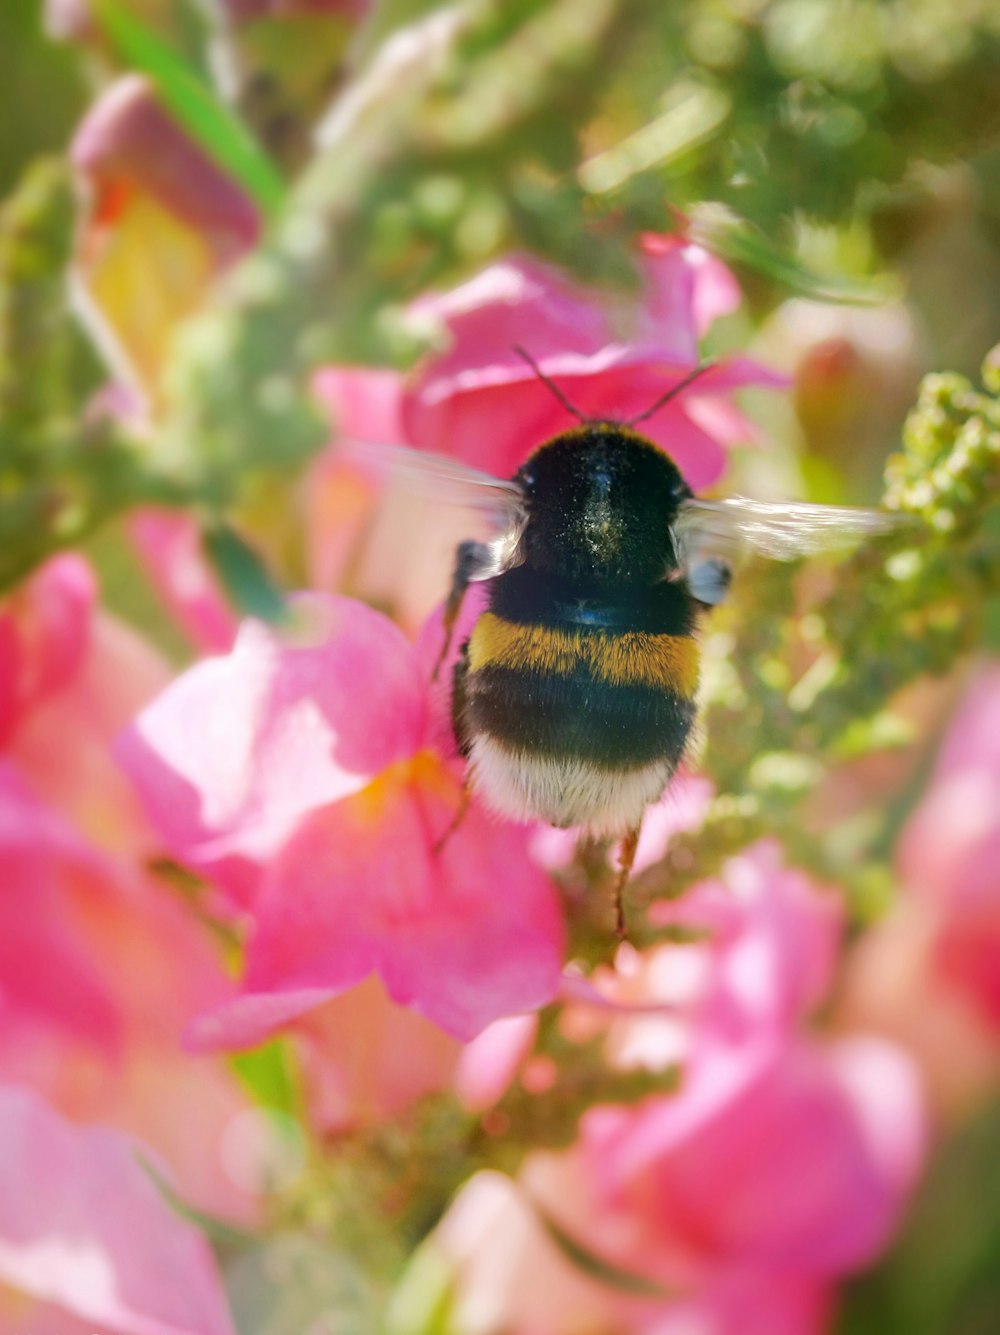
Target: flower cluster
x,y
269,845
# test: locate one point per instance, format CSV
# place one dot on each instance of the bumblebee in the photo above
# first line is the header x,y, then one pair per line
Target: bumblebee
x,y
574,696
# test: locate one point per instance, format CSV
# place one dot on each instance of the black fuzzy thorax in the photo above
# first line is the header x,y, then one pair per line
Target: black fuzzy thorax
x,y
601,501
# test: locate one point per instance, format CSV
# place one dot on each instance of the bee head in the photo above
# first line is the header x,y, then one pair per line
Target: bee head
x,y
601,503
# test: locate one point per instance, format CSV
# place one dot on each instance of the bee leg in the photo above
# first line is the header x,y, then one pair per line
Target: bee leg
x,y
468,560
463,805
626,856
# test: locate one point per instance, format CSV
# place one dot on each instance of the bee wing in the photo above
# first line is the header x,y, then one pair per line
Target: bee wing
x,y
500,503
710,535
775,529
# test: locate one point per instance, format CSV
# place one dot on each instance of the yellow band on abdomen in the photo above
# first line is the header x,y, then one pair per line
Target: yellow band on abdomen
x,y
619,657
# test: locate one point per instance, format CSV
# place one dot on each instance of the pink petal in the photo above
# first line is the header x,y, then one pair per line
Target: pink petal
x,y
489,1063
791,1167
365,1059
496,425
44,635
47,977
364,403
749,1302
128,141
239,749
479,401
775,940
518,301
69,20
493,428
667,317
82,1225
359,888
118,675
169,544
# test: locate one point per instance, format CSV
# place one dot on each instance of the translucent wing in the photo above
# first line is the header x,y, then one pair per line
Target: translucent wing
x,y
500,503
725,528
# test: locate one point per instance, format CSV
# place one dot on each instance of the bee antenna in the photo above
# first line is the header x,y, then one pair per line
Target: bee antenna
x,y
672,392
550,384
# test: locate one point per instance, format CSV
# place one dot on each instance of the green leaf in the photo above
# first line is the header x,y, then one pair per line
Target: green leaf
x,y
268,1074
219,132
422,1303
732,238
243,574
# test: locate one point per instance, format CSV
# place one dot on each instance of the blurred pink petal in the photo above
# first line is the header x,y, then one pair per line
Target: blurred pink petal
x,y
775,936
950,849
82,1225
99,973
365,1059
489,1063
44,635
46,975
517,301
116,676
160,222
364,402
480,401
714,291
236,751
762,950
751,1302
69,20
892,984
509,1275
129,142
791,1165
169,544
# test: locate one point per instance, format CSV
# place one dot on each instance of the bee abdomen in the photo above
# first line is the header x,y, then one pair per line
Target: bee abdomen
x,y
621,699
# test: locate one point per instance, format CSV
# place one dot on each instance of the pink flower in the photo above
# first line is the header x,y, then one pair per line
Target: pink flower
x,y
735,1201
44,632
478,400
801,1161
71,677
802,1154
46,975
364,1059
295,773
100,966
929,974
508,1276
950,849
763,950
84,1227
99,973
161,222
170,545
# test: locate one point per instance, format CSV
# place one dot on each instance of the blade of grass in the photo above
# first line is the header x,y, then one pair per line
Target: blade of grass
x,y
217,129
736,241
243,574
